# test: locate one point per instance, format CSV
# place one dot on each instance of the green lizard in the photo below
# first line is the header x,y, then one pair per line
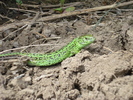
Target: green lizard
x,y
48,59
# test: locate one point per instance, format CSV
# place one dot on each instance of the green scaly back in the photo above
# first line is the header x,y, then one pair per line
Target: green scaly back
x,y
48,59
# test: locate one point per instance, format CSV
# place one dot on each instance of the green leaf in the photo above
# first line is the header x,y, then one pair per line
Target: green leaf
x,y
59,10
19,2
69,9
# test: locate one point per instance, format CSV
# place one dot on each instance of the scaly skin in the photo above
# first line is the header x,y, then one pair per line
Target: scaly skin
x,y
48,59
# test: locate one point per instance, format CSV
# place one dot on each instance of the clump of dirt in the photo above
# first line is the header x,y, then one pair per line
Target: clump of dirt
x,y
103,77
101,71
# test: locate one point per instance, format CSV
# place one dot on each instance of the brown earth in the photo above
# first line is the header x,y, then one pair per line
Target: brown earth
x,y
102,71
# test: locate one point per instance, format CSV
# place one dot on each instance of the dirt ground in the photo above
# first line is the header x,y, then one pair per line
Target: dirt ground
x,y
101,71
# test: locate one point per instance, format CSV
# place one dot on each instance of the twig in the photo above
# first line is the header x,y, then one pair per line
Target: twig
x,y
45,39
39,34
108,49
126,10
11,20
27,25
15,31
42,39
27,47
22,10
14,25
101,18
10,60
3,4
33,21
43,76
51,38
83,11
52,6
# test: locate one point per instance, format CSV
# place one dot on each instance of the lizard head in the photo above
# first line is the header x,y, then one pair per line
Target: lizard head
x,y
85,40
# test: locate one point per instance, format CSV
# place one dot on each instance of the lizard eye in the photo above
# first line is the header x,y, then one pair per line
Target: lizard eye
x,y
89,38
86,38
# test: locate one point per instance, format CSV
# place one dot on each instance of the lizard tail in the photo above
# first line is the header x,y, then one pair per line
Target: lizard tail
x,y
12,54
